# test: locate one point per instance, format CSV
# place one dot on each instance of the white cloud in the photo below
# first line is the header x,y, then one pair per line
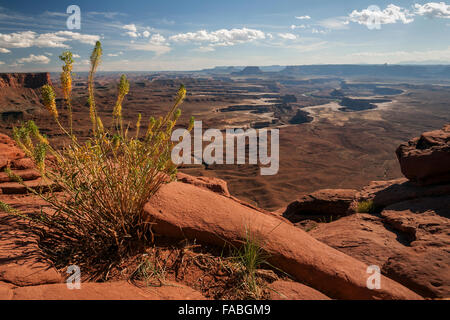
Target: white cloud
x,y
76,55
109,15
3,50
83,38
222,37
130,27
157,39
27,39
145,34
205,49
287,36
319,31
157,44
302,26
433,10
374,15
303,17
132,30
115,54
34,59
1,62
336,23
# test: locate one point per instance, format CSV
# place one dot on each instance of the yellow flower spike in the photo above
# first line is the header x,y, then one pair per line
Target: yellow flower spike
x,y
95,61
48,97
66,75
181,94
191,123
100,125
138,125
151,124
177,115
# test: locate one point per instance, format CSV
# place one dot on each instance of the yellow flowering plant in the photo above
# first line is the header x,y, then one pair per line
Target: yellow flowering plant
x,y
98,187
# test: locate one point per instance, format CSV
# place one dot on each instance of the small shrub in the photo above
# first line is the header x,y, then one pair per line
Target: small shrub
x,y
149,272
4,207
366,207
105,181
250,256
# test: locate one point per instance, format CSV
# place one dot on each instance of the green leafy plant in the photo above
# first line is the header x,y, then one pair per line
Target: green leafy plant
x,y
149,272
250,256
366,207
4,207
99,187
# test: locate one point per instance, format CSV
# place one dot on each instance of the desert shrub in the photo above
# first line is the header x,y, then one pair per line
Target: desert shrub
x,y
100,186
4,207
366,207
250,256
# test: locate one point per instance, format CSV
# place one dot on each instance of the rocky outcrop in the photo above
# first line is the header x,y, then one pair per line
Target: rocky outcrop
x,y
320,204
24,80
22,263
426,160
409,241
213,184
121,290
213,219
13,157
288,290
424,265
248,71
407,234
386,193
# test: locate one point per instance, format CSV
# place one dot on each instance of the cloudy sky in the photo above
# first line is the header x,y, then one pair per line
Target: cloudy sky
x,y
151,35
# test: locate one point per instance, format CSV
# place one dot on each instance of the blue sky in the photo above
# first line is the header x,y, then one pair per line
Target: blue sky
x,y
191,35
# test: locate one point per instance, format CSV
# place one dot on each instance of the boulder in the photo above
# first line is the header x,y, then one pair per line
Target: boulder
x,y
19,188
362,236
21,260
386,193
8,151
426,160
121,290
322,203
26,175
425,266
409,241
184,211
213,184
6,291
289,290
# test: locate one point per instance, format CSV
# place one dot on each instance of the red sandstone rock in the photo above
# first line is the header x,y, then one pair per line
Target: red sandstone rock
x,y
288,290
213,184
426,160
8,151
409,241
185,211
24,80
26,175
121,290
385,193
425,267
21,261
18,188
6,291
326,202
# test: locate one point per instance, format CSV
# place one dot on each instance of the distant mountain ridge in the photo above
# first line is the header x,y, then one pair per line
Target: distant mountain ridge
x,y
394,70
